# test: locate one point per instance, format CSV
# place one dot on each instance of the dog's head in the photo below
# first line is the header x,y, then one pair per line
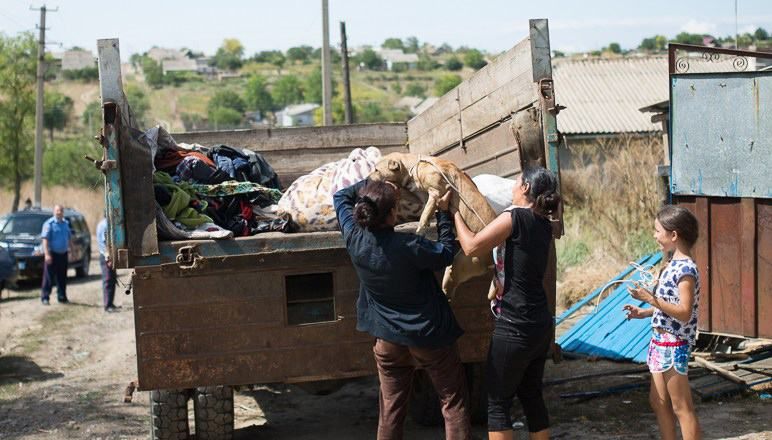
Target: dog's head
x,y
392,168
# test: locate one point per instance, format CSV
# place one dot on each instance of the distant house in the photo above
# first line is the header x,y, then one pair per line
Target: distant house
x,y
160,54
179,65
394,58
298,115
78,60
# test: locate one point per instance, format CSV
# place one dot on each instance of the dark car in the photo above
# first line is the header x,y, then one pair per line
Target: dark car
x,y
20,236
7,268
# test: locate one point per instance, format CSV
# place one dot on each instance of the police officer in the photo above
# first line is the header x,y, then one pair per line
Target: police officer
x,y
56,243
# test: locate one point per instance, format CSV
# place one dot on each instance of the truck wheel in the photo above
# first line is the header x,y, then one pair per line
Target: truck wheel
x,y
425,407
478,392
82,271
169,415
213,409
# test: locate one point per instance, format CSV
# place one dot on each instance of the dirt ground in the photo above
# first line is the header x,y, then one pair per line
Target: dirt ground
x,y
64,368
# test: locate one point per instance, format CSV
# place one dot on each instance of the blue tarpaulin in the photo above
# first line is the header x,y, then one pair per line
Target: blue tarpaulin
x,y
606,332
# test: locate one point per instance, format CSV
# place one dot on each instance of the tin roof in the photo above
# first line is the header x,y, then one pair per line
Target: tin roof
x,y
602,96
605,332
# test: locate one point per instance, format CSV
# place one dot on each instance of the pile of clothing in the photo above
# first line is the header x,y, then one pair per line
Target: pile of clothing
x,y
213,192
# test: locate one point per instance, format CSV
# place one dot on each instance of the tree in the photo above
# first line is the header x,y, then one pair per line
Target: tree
x,y
222,117
687,38
393,43
454,64
139,103
278,60
225,109
446,83
92,117
370,111
77,172
18,70
411,45
415,89
615,48
300,53
228,56
370,59
474,59
257,95
226,99
287,90
154,74
558,54
426,63
761,34
312,87
57,111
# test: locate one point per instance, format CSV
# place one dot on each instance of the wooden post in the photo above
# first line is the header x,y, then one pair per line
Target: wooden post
x,y
326,74
346,84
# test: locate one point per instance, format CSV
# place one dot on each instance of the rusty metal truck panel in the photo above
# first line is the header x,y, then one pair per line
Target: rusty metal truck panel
x,y
721,156
721,134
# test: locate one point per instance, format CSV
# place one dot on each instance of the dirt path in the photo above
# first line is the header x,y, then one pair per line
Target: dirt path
x,y
63,370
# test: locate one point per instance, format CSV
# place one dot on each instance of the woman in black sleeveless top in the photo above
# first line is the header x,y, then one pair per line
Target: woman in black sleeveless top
x,y
523,329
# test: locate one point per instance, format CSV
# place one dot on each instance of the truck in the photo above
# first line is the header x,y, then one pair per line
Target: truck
x,y
214,315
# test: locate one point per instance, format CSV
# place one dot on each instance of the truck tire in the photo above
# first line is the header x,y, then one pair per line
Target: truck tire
x,y
213,410
82,270
478,392
425,407
169,415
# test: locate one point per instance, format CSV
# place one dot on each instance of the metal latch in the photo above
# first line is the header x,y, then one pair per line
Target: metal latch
x,y
188,258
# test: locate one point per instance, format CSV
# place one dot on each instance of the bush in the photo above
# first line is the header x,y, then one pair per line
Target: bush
x,y
454,64
86,75
63,163
222,118
446,83
415,89
474,59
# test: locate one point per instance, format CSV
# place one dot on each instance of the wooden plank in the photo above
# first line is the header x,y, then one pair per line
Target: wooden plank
x,y
491,77
110,81
290,162
138,195
725,258
269,139
700,207
540,49
498,106
764,266
492,152
747,261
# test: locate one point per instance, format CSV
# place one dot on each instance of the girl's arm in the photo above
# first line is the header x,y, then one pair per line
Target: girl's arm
x,y
492,235
681,311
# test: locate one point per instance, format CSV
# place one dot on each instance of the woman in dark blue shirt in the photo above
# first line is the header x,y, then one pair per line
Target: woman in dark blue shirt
x,y
523,330
401,304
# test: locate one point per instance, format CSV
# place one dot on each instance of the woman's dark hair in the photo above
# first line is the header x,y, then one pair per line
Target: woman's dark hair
x,y
543,190
680,220
375,202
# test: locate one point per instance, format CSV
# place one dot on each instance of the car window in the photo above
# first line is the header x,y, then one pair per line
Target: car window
x,y
23,225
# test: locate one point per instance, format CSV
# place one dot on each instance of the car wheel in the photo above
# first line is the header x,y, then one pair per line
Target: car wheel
x,y
82,271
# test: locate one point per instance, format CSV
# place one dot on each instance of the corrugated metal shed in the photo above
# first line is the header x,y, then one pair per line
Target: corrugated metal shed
x,y
605,332
603,96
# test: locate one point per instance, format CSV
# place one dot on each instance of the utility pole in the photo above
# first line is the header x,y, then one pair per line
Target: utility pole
x,y
346,83
326,79
736,32
39,105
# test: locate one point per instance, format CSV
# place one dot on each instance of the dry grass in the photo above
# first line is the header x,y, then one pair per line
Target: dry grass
x,y
611,199
89,202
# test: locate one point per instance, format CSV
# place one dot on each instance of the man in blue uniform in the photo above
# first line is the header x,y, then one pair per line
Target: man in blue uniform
x,y
108,270
56,243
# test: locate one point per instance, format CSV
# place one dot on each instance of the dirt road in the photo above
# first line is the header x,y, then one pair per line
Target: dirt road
x,y
64,368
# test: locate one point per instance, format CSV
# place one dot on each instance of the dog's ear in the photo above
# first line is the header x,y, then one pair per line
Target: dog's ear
x,y
394,165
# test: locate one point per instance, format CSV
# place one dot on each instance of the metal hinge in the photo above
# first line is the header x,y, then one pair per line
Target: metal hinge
x,y
189,259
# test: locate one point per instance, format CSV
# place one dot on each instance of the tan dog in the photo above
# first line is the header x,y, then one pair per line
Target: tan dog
x,y
435,177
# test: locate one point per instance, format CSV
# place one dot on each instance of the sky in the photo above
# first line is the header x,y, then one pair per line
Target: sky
x,y
490,25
